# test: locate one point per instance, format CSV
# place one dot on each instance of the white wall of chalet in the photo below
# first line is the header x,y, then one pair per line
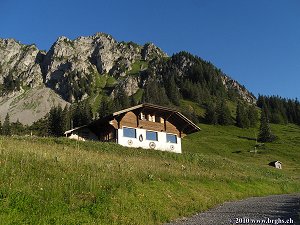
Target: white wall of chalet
x,y
140,141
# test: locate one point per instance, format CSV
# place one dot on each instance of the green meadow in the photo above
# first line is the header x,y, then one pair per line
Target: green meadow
x,y
61,181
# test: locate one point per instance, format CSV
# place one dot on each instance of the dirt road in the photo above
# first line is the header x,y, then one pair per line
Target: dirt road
x,y
275,209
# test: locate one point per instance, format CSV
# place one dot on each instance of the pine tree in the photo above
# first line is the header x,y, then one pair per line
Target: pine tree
x,y
82,114
6,126
239,115
211,116
252,116
56,121
224,115
87,113
297,108
172,90
242,119
106,107
121,98
155,94
17,128
76,118
67,118
40,127
265,134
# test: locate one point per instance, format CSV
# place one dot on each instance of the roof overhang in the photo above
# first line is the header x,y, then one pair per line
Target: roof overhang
x,y
74,129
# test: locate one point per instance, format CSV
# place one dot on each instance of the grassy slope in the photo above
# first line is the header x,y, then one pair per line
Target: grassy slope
x,y
58,181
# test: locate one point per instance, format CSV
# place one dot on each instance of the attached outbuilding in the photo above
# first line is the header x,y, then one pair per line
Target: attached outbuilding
x,y
81,133
276,164
146,125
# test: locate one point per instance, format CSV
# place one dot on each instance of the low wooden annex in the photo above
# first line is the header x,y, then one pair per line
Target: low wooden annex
x,y
145,125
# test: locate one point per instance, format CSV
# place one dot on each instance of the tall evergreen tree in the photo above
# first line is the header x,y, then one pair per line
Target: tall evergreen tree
x,y
17,128
297,107
172,90
155,94
121,99
67,118
106,107
224,115
87,112
252,116
242,119
82,114
265,134
56,121
239,115
76,116
40,127
6,126
211,116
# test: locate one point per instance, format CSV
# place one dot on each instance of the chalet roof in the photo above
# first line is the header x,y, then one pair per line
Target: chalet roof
x,y
172,115
76,128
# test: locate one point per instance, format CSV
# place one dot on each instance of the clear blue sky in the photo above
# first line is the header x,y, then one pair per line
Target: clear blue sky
x,y
256,42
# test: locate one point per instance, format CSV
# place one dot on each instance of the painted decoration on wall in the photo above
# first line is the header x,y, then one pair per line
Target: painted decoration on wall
x,y
152,145
130,142
141,138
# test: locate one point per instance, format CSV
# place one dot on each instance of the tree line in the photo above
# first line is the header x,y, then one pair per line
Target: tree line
x,y
59,119
55,123
183,76
280,110
219,114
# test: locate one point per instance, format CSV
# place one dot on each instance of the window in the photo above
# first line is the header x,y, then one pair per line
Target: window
x,y
150,118
151,135
142,116
171,138
129,132
157,119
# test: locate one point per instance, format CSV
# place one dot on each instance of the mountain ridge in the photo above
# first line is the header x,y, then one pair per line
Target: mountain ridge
x,y
90,66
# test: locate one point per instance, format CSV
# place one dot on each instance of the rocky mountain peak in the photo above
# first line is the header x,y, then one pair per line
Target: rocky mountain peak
x,y
20,63
149,51
88,65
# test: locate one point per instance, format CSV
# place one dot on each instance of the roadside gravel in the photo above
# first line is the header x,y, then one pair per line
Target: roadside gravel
x,y
250,211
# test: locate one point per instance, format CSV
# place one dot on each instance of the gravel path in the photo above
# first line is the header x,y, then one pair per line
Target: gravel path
x,y
275,207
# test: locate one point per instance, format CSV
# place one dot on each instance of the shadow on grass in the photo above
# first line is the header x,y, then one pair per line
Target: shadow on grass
x,y
247,138
237,152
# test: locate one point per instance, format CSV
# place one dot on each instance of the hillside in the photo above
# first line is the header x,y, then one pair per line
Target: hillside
x,y
59,181
98,67
30,105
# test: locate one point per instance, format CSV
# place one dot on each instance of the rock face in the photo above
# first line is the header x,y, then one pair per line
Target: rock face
x,y
68,62
21,62
72,70
241,90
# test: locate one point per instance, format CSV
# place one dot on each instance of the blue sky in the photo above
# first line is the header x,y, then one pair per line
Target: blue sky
x,y
256,42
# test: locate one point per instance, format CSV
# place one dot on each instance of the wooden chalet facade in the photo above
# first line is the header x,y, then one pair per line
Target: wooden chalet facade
x,y
145,125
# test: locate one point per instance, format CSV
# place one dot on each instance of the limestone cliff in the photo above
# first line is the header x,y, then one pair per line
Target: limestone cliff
x,y
74,70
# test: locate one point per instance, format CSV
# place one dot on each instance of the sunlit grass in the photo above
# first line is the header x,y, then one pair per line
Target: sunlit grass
x,y
60,181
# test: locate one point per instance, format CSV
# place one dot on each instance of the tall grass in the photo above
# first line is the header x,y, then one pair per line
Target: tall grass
x,y
60,181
